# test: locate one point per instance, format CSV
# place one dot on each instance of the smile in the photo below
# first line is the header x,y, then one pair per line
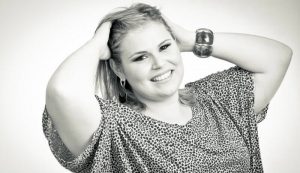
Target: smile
x,y
162,77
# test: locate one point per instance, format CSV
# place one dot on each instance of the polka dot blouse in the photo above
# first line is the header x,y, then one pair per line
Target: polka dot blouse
x,y
220,137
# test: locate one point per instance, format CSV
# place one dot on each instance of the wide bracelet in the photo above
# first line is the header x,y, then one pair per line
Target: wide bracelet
x,y
203,44
202,51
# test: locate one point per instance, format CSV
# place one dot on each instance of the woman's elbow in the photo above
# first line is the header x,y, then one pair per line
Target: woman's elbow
x,y
289,53
287,56
284,57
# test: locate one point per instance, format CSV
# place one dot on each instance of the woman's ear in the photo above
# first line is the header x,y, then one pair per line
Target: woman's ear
x,y
116,68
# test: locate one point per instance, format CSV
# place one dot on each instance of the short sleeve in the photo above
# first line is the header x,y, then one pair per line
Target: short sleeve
x,y
231,93
96,154
234,89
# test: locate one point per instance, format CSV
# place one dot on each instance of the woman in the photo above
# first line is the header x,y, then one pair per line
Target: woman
x,y
145,123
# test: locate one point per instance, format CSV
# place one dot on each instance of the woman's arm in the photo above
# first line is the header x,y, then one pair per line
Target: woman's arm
x,y
70,92
266,58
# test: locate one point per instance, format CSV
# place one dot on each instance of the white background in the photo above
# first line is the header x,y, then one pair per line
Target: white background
x,y
36,36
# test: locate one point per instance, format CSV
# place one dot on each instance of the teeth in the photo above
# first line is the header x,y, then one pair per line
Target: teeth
x,y
162,77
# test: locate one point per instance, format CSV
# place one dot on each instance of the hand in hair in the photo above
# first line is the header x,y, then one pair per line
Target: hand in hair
x,y
101,36
185,38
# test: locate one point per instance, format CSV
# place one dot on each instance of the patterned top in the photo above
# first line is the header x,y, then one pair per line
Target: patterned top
x,y
221,136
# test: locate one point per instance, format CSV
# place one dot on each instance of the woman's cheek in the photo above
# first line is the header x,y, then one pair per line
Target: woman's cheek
x,y
175,53
137,71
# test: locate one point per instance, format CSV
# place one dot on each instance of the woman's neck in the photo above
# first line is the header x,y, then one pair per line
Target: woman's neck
x,y
168,110
169,102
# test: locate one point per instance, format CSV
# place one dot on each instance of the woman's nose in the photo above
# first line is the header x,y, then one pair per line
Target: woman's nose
x,y
157,62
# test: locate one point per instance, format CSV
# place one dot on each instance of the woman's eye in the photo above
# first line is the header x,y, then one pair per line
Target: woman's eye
x,y
164,47
140,58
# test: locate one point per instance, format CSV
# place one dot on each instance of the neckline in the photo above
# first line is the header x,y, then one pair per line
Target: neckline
x,y
166,123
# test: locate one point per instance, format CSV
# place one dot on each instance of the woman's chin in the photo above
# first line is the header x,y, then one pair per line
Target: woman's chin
x,y
167,91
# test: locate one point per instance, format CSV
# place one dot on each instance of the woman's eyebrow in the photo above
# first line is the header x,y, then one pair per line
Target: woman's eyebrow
x,y
143,52
136,53
164,42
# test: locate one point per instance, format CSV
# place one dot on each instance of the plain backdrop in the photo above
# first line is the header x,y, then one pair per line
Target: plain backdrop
x,y
37,35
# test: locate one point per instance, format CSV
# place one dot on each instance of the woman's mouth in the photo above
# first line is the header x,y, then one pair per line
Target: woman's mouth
x,y
162,77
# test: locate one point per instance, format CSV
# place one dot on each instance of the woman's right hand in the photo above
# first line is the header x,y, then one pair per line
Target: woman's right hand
x,y
101,37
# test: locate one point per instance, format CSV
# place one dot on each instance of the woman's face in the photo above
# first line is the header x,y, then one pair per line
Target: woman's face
x,y
151,62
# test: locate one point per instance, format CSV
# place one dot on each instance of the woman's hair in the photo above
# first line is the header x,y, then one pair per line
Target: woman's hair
x,y
122,22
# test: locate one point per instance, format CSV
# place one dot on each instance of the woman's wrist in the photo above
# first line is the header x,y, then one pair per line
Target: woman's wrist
x,y
199,44
188,44
203,43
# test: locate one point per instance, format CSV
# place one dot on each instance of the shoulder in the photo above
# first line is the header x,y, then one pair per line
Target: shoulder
x,y
223,80
117,112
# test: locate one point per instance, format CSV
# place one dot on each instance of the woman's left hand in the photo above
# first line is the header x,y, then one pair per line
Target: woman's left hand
x,y
185,38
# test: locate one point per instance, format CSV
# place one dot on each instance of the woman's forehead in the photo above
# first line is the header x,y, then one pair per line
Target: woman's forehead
x,y
143,38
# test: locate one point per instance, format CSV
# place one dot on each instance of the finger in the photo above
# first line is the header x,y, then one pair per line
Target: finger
x,y
169,22
105,54
166,19
105,27
102,33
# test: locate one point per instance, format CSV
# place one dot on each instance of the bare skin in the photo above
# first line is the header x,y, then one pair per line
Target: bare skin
x,y
70,92
268,59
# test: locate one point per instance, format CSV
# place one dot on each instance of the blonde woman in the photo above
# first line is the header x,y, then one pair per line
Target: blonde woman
x,y
142,121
